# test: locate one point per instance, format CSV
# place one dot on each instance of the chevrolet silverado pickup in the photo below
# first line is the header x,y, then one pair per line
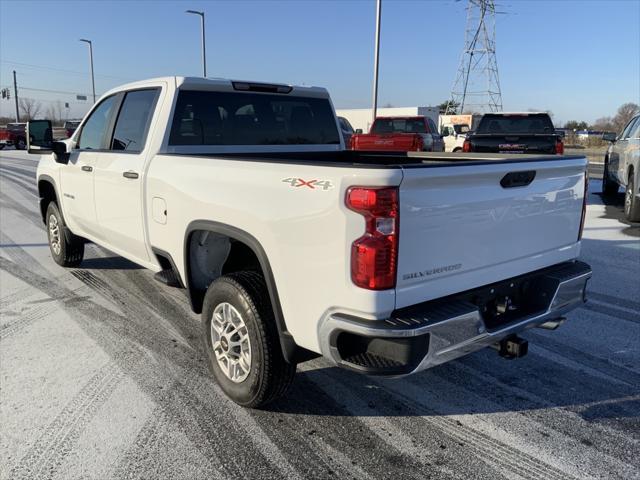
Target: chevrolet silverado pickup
x,y
291,247
400,134
514,133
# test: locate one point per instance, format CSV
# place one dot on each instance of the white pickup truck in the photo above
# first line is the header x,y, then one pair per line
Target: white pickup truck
x,y
292,247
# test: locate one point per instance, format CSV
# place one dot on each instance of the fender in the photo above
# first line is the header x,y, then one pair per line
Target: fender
x,y
46,178
291,351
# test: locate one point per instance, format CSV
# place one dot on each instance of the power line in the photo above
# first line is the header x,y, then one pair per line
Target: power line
x,y
30,65
55,91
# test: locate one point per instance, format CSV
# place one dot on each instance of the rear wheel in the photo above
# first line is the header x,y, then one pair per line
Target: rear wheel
x,y
631,203
66,248
21,144
242,342
609,187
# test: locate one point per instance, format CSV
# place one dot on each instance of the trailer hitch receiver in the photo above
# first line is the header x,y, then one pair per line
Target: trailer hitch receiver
x,y
512,347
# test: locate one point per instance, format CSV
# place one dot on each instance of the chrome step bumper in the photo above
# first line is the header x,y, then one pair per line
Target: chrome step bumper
x,y
439,331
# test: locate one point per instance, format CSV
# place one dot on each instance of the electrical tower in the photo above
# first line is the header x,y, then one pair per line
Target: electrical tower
x,y
477,87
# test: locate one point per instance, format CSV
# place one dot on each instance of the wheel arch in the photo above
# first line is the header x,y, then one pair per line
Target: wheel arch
x,y
291,351
47,193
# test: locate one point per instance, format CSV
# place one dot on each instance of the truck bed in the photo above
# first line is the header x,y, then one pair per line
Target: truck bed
x,y
353,158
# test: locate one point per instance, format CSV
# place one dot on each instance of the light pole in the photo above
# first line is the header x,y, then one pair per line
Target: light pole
x,y
376,59
204,48
93,83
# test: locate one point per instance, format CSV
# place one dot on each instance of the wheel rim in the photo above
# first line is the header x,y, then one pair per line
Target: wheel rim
x,y
230,342
54,234
628,197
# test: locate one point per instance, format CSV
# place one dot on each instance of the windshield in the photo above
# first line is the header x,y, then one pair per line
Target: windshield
x,y
517,123
399,125
230,118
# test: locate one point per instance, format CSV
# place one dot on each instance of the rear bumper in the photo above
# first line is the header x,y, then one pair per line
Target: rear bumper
x,y
435,332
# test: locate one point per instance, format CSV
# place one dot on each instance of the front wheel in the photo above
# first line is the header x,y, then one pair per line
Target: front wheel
x,y
609,187
631,203
21,144
242,342
66,249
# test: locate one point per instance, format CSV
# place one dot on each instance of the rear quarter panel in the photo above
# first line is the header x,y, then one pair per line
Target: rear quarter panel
x,y
305,232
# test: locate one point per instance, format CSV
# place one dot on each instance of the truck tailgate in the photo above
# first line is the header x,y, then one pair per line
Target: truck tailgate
x,y
460,228
396,142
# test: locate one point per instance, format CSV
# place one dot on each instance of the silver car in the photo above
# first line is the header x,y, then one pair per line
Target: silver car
x,y
622,167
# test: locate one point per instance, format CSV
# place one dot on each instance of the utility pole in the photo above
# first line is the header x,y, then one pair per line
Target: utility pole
x,y
204,46
93,83
376,60
15,95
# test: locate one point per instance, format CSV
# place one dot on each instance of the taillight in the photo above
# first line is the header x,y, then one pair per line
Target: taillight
x,y
584,204
559,147
466,146
374,256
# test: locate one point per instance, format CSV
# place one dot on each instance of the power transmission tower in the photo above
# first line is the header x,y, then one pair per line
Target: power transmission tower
x,y
477,86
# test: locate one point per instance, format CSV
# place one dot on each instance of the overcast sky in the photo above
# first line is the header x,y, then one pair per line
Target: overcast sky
x,y
579,59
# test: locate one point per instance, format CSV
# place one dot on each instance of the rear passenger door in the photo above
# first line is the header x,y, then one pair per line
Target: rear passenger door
x,y
119,175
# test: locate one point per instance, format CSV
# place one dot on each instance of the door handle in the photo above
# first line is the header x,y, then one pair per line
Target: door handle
x,y
130,174
87,168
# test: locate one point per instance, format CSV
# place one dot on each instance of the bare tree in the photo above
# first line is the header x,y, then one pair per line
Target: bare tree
x,y
625,113
604,124
30,108
54,112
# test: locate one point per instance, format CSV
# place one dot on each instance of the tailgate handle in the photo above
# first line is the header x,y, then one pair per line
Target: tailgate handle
x,y
518,179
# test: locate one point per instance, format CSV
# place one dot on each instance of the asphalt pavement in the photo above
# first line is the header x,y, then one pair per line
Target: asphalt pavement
x,y
102,376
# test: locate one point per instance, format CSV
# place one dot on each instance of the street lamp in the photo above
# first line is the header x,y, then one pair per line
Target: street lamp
x,y
93,83
204,48
376,59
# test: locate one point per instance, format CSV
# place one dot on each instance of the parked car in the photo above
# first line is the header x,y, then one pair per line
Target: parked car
x,y
400,134
346,130
292,247
622,167
70,127
13,135
514,133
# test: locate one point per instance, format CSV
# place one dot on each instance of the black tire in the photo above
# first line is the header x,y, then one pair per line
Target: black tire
x,y
1,146
457,149
631,203
609,187
21,144
269,376
69,250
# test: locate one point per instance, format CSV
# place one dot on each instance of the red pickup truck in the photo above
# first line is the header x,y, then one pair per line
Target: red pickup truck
x,y
400,134
14,134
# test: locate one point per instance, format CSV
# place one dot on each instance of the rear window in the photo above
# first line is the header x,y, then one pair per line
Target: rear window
x,y
399,125
536,123
229,118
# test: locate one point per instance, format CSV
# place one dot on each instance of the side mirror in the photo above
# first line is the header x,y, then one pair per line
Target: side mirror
x,y
358,131
609,136
39,136
60,153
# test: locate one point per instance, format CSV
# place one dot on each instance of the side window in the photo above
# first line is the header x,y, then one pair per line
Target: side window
x,y
133,120
627,130
432,126
635,130
94,131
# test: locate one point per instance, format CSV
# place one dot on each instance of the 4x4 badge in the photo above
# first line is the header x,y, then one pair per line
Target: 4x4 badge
x,y
312,184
